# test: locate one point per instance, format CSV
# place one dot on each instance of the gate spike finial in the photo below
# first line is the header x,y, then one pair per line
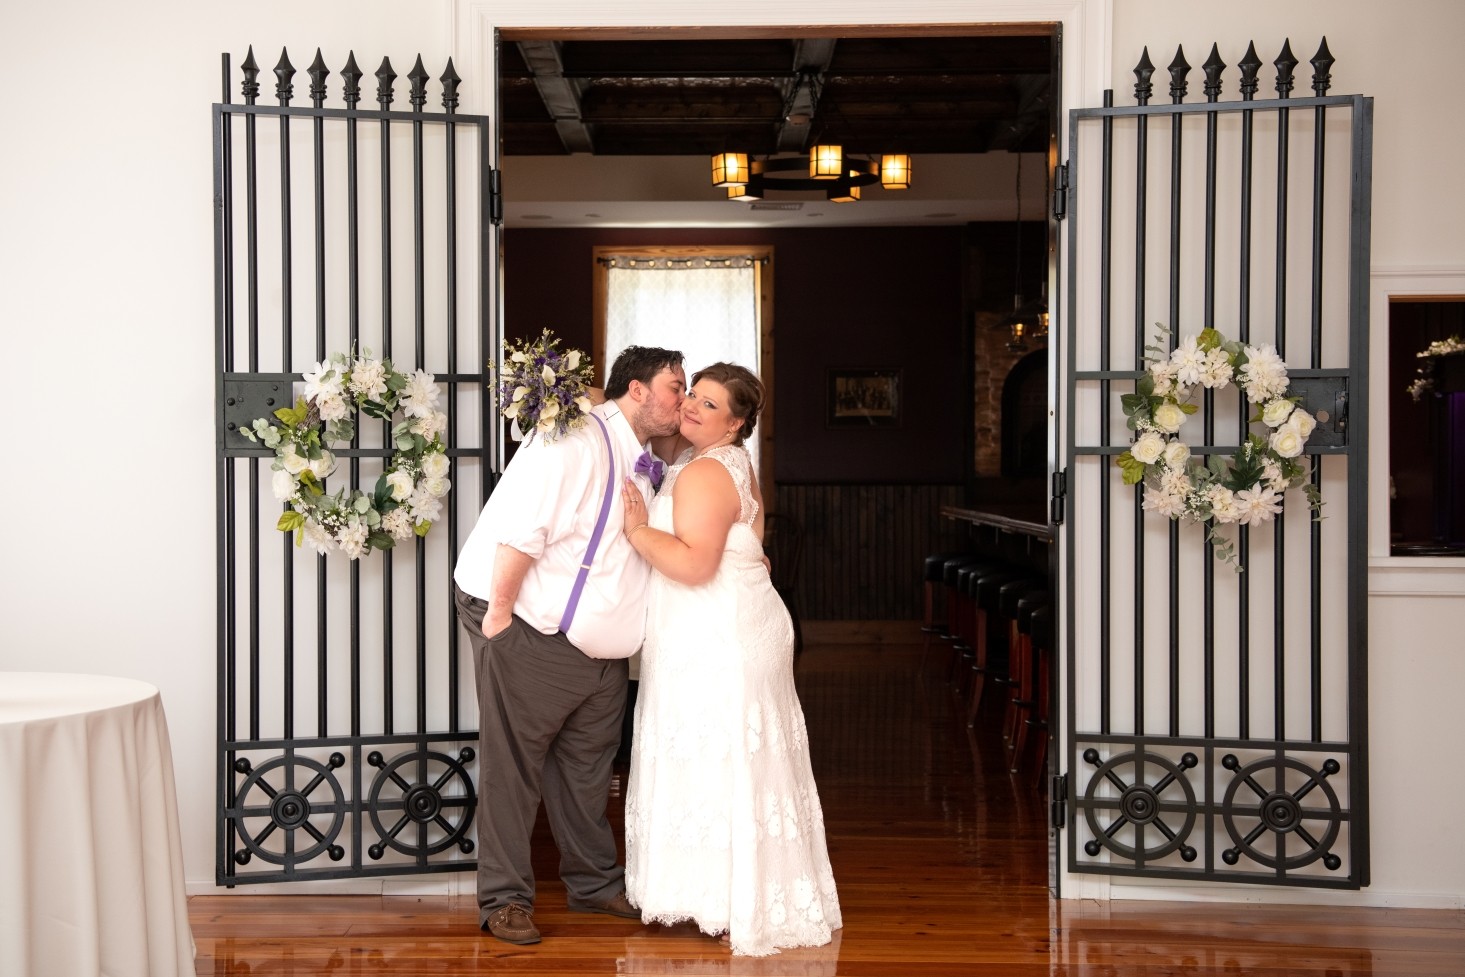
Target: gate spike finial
x,y
385,76
318,73
1213,68
1142,72
1322,69
1179,68
250,88
284,72
1285,62
1249,66
418,77
351,75
450,82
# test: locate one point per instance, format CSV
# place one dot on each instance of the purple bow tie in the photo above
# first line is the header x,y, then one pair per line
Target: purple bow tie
x,y
652,467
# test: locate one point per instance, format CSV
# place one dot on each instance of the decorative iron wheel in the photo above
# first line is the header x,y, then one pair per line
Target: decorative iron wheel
x,y
1140,803
1280,812
422,803
288,810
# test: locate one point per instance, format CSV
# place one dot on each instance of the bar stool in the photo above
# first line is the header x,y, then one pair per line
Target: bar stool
x,y
990,648
1025,701
934,584
1008,596
956,611
1041,632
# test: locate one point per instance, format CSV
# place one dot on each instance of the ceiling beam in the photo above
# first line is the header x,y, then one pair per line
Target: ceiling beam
x,y
812,56
561,95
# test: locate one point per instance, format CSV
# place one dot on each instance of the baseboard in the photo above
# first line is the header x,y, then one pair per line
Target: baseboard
x,y
861,632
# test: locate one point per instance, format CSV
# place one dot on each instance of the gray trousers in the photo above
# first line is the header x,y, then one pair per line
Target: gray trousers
x,y
549,721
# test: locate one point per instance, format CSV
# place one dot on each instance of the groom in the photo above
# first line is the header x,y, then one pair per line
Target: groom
x,y
550,648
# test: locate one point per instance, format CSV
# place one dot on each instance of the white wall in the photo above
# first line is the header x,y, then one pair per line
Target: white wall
x,y
106,298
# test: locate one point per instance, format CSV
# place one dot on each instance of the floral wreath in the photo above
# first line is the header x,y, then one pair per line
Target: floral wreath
x,y
1249,486
1424,383
407,497
542,390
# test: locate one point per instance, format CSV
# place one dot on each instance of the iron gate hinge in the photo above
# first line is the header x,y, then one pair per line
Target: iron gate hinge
x,y
1058,805
1060,192
496,196
1060,492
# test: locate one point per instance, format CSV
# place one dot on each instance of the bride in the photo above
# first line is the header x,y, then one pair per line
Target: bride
x,y
723,822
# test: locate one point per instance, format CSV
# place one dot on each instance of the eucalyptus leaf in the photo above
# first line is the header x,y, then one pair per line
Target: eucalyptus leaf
x,y
380,541
361,503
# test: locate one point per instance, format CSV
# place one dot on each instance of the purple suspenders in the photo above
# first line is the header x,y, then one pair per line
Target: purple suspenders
x,y
610,485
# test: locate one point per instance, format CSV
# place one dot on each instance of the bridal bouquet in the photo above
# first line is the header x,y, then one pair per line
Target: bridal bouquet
x,y
1424,382
542,390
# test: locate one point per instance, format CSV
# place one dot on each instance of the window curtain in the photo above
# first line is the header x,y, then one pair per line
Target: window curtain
x,y
705,307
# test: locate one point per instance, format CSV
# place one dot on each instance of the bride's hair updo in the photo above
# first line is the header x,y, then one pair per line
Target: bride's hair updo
x,y
744,393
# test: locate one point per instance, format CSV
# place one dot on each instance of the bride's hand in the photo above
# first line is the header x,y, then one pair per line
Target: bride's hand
x,y
635,508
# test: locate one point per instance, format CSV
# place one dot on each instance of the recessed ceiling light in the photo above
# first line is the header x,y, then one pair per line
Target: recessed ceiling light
x,y
536,217
941,215
592,215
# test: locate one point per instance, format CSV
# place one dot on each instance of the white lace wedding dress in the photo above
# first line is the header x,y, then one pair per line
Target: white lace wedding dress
x,y
723,822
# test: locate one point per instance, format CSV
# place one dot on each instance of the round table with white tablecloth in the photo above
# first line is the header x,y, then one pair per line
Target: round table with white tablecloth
x,y
91,863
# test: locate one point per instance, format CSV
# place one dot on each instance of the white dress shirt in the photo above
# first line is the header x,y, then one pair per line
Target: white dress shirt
x,y
546,506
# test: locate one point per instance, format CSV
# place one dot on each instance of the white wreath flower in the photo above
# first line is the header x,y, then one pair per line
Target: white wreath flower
x,y
1248,487
407,497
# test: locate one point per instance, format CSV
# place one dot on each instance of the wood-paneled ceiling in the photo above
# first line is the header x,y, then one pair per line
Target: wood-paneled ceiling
x,y
682,95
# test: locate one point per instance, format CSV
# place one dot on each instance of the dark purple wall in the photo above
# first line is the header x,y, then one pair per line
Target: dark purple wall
x,y
848,297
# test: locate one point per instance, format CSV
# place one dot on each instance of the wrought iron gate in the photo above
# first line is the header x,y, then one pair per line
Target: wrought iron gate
x,y
1216,714
350,758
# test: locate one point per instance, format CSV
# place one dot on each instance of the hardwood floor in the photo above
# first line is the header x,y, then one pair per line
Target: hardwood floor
x,y
941,860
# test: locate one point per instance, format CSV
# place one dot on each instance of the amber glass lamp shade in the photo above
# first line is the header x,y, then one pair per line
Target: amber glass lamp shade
x,y
826,162
843,194
895,171
729,169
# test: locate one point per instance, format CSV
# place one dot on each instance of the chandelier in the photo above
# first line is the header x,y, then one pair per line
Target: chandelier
x,y
828,167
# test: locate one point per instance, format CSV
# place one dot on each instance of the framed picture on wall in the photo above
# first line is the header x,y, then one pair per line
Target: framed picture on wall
x,y
863,398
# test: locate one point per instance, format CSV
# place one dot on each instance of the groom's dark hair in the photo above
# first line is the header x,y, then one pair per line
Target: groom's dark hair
x,y
639,363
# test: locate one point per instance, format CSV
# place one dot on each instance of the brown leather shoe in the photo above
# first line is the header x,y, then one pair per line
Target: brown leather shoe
x,y
616,905
512,924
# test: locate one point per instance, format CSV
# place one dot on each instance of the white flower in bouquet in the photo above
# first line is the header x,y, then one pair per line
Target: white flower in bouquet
x,y
435,465
368,379
294,462
1189,361
1163,374
400,483
323,379
419,397
318,537
1263,375
1276,412
1217,371
332,407
283,485
424,505
1176,481
1286,442
1303,422
1148,447
1257,505
436,487
1176,454
1169,504
352,540
1272,475
323,466
1169,417
398,523
430,426
1222,502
